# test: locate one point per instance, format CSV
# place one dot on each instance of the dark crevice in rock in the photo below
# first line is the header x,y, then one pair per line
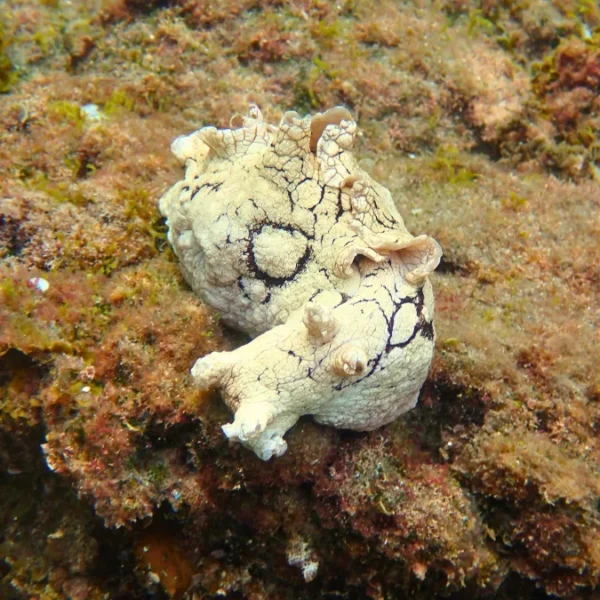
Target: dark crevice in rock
x,y
116,566
161,436
448,265
12,236
488,149
443,409
20,379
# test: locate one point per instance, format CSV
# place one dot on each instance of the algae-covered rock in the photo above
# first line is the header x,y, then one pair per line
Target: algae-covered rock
x,y
478,119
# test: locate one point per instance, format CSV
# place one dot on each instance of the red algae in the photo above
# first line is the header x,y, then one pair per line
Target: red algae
x,y
160,557
482,120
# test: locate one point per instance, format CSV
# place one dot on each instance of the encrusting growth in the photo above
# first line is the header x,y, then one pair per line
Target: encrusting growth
x,y
280,230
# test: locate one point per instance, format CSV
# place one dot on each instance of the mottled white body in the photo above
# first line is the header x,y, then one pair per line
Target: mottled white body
x,y
265,216
280,231
363,377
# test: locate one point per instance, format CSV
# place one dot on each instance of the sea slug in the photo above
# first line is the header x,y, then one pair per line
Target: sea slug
x,y
280,230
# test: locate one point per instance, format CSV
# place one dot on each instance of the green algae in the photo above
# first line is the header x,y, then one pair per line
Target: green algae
x,y
118,102
68,112
8,73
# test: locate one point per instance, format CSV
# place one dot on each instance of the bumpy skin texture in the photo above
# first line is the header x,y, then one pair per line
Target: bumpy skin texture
x,y
280,231
358,365
267,215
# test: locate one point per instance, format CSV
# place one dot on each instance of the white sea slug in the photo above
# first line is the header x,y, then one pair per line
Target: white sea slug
x,y
281,231
363,376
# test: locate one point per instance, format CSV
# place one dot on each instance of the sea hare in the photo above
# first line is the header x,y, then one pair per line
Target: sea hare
x,y
280,230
